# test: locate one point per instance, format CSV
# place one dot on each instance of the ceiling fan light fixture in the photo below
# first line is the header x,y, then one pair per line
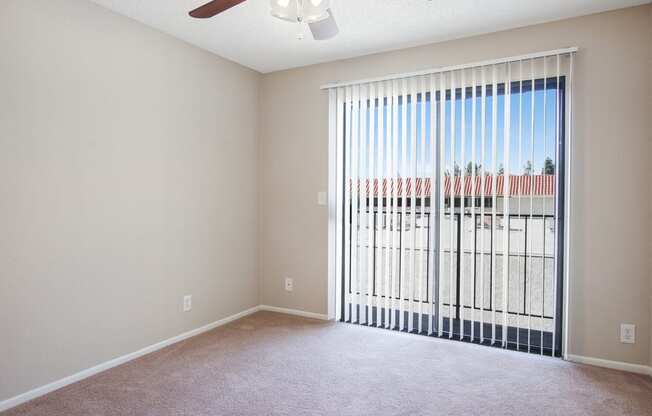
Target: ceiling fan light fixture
x,y
305,11
315,10
284,9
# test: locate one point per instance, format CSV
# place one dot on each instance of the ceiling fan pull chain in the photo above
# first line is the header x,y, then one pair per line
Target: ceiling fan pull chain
x,y
300,11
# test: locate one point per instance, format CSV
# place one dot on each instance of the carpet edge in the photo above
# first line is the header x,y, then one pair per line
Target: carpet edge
x,y
83,374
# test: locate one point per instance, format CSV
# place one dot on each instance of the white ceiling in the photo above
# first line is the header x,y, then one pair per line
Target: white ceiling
x,y
249,35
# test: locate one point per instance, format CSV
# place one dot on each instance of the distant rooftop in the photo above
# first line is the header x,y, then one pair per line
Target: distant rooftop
x,y
524,185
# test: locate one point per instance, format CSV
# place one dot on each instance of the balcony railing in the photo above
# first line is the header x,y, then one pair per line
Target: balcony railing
x,y
470,276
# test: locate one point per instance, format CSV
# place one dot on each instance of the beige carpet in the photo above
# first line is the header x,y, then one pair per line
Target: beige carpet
x,y
273,364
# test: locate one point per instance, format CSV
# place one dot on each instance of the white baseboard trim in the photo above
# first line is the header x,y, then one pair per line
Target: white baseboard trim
x,y
55,385
616,365
296,312
40,391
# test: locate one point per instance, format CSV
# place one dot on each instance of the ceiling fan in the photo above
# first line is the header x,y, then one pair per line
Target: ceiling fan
x,y
315,13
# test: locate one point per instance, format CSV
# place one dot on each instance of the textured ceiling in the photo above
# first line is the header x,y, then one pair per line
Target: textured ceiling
x,y
249,35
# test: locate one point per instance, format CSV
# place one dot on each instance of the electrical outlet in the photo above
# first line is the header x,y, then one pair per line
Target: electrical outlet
x,y
289,284
322,198
627,333
187,303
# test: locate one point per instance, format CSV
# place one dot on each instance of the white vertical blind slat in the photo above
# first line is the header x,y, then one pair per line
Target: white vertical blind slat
x,y
389,292
520,192
371,217
402,176
568,199
474,174
356,204
338,100
442,167
494,217
381,218
556,209
483,124
543,222
462,203
432,228
413,198
530,268
506,198
423,223
395,219
364,216
451,209
347,199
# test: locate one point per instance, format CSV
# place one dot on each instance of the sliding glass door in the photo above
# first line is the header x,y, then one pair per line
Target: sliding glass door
x,y
451,191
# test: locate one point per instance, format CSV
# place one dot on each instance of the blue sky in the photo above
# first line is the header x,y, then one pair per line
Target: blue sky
x,y
544,134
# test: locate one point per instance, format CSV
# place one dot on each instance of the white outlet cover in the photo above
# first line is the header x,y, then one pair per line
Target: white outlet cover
x,y
321,198
627,333
187,303
289,284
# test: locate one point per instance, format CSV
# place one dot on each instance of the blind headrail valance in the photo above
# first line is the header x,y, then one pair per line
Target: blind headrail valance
x,y
535,55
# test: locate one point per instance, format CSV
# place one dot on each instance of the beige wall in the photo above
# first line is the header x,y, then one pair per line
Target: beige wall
x,y
610,270
118,151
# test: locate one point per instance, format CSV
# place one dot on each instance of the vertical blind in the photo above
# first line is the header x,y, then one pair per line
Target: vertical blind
x,y
450,200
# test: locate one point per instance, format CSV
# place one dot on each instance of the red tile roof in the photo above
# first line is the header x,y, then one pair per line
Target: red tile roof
x,y
525,185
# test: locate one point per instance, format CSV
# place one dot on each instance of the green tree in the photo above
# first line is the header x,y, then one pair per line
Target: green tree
x,y
457,171
469,171
548,167
527,168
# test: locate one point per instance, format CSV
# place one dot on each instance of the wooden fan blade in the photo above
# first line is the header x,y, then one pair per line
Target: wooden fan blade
x,y
214,7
